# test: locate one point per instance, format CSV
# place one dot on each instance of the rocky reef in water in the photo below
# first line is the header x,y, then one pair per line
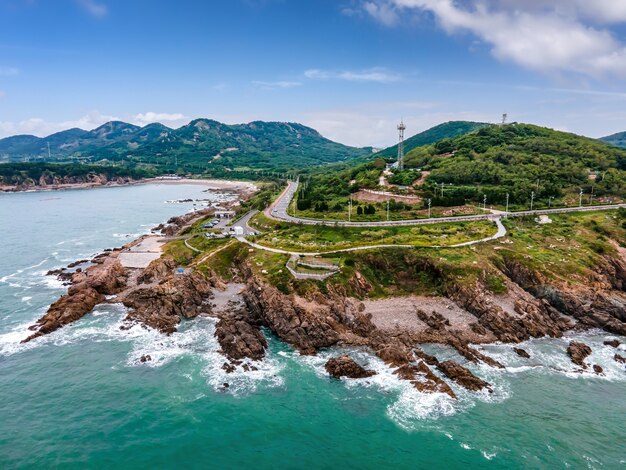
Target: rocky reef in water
x,y
324,316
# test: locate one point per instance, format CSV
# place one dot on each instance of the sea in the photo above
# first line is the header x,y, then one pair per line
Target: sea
x,y
80,397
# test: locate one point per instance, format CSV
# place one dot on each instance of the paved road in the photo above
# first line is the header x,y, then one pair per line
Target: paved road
x,y
278,211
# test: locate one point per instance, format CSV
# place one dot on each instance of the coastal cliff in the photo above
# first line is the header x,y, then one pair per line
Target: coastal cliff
x,y
505,300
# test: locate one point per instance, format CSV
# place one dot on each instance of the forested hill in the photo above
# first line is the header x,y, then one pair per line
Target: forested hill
x,y
520,158
201,146
447,130
619,139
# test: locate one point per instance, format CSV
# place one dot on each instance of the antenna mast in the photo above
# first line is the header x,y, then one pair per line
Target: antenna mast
x,y
401,129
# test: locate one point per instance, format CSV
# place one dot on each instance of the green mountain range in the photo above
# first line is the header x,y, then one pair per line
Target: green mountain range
x,y
619,139
201,146
447,130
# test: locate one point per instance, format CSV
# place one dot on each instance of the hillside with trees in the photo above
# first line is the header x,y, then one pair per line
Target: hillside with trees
x,y
476,169
202,146
447,130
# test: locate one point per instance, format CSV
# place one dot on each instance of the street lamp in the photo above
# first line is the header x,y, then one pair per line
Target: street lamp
x,y
507,206
532,199
580,200
429,204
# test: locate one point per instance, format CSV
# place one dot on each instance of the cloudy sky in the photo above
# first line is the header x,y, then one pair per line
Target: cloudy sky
x,y
349,68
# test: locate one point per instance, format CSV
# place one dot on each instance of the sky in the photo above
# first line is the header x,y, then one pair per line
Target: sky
x,y
349,68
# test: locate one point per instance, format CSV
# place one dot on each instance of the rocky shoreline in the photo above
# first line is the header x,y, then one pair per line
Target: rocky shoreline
x,y
55,183
464,317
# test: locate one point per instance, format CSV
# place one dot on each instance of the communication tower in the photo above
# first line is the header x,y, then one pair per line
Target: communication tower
x,y
401,129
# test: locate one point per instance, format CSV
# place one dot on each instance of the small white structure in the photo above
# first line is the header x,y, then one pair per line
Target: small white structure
x,y
238,231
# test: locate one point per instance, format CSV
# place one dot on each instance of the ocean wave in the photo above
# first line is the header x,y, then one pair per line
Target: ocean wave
x,y
549,356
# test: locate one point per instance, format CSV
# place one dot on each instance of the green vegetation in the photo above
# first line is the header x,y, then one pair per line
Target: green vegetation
x,y
619,139
314,238
201,147
520,159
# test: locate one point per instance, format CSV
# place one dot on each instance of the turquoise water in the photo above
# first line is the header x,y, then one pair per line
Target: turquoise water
x,y
79,398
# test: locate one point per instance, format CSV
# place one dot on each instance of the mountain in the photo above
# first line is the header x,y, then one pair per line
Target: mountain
x,y
619,139
202,145
446,130
521,159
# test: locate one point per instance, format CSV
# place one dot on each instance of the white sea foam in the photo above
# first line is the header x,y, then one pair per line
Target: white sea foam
x,y
549,356
410,406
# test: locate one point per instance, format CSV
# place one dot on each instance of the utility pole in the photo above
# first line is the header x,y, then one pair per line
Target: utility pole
x,y
591,197
429,204
442,189
350,210
580,200
485,202
506,215
387,210
550,202
532,199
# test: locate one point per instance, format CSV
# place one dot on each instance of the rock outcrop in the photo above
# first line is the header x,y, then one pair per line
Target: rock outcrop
x,y
521,352
345,366
162,306
239,338
578,352
88,289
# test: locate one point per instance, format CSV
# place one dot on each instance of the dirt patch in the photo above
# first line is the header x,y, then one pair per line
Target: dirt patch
x,y
366,196
422,179
400,313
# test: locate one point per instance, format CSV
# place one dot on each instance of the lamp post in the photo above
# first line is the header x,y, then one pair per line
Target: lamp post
x,y
429,204
350,210
506,215
532,200
580,199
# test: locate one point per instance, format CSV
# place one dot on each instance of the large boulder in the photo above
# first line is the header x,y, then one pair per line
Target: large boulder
x,y
578,352
344,366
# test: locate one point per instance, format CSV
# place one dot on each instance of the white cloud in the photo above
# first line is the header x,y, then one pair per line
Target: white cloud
x,y
9,71
94,7
383,12
377,74
42,128
171,120
548,36
274,85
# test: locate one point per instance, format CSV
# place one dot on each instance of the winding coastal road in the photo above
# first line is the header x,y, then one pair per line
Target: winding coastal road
x,y
278,211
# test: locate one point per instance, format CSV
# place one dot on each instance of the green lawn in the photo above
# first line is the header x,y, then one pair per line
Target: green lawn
x,y
312,238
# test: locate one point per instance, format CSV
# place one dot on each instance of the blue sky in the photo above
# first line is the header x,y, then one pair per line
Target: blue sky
x,y
350,69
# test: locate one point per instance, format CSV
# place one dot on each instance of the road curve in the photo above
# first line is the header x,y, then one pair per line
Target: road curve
x,y
278,211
